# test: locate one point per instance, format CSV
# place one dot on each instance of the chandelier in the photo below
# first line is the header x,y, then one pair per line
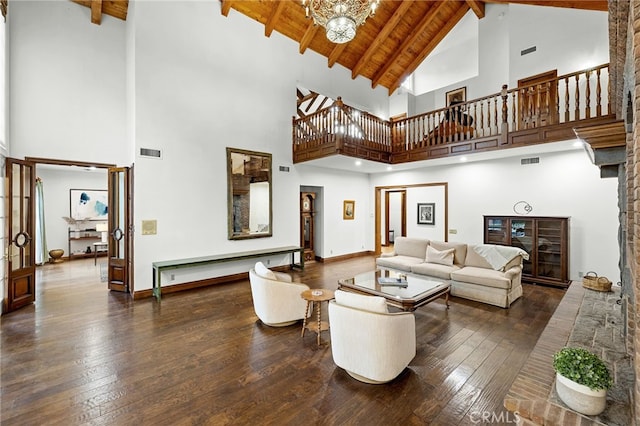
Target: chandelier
x,y
340,17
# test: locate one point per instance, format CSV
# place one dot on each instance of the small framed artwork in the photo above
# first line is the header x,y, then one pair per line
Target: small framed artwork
x,y
348,209
456,96
88,204
426,213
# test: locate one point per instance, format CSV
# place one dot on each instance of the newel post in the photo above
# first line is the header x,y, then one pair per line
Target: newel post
x,y
504,129
338,104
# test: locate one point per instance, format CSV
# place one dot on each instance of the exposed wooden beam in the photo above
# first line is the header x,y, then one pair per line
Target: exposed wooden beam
x,y
225,7
477,6
96,12
273,19
450,23
309,34
335,53
382,36
425,22
601,5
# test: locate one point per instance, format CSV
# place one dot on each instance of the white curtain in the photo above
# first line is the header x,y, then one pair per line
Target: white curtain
x,y
41,240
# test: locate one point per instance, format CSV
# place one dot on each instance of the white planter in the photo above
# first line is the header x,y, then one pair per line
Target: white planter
x,y
579,397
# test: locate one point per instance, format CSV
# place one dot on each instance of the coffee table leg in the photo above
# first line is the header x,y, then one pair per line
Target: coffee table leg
x,y
319,308
446,299
304,322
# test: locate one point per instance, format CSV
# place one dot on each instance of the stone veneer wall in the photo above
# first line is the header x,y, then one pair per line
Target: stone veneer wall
x,y
633,176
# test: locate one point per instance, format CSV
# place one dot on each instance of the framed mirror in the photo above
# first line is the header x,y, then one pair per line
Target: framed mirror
x,y
248,194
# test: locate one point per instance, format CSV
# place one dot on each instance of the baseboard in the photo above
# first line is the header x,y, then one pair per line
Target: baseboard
x,y
344,257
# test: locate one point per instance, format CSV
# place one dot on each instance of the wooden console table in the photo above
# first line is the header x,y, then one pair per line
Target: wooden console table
x,y
164,265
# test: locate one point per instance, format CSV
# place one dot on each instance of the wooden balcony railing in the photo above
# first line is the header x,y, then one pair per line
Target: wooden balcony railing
x,y
546,111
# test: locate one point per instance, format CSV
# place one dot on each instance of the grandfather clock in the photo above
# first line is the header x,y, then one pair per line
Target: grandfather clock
x,y
307,211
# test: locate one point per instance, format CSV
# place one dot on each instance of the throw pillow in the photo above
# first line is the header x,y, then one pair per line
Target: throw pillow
x,y
360,301
441,257
265,272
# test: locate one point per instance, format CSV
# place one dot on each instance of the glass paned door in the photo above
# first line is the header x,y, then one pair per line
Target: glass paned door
x,y
120,229
522,235
549,240
21,286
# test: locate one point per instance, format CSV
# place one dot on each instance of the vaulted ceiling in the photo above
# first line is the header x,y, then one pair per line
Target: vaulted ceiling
x,y
386,49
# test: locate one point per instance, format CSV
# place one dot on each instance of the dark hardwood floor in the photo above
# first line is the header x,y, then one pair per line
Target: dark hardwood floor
x,y
82,355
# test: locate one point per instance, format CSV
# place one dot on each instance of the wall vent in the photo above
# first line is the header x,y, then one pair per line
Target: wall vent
x,y
284,168
528,50
532,160
150,153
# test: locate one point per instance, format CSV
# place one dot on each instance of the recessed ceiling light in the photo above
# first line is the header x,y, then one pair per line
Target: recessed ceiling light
x,y
389,168
463,159
579,143
358,163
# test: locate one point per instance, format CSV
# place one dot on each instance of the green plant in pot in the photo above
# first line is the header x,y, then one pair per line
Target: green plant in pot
x,y
582,380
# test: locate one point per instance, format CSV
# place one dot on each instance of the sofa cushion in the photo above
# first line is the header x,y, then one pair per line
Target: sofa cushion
x,y
360,301
434,270
265,272
460,250
482,276
403,263
441,257
413,247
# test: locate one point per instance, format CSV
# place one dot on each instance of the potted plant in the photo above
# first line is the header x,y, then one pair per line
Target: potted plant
x,y
582,380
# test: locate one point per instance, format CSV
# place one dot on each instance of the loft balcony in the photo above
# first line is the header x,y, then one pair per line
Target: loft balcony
x,y
548,109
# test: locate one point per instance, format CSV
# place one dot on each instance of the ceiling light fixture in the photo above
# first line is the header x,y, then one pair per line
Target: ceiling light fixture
x,y
340,17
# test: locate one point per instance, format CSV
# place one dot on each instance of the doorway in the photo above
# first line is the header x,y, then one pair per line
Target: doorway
x,y
62,178
395,216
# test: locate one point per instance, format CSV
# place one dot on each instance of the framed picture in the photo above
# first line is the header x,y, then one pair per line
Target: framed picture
x,y
348,209
458,95
88,204
426,213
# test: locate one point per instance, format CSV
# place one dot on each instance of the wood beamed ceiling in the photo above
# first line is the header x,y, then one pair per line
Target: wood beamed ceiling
x,y
387,48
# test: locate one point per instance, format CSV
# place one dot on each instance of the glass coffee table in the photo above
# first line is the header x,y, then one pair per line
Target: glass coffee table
x,y
402,290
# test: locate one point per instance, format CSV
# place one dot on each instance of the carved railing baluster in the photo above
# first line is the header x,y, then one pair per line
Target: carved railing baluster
x,y
587,111
577,109
566,101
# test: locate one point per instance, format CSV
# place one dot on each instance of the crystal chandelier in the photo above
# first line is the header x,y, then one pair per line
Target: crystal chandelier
x,y
340,17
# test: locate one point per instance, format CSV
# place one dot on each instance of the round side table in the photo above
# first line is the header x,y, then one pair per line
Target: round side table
x,y
316,296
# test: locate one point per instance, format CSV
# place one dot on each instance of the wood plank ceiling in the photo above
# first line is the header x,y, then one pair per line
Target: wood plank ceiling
x,y
387,48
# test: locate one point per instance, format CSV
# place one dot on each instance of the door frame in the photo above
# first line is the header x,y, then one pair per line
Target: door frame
x,y
378,208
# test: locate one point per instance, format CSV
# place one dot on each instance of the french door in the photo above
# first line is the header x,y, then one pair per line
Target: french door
x,y
20,226
120,227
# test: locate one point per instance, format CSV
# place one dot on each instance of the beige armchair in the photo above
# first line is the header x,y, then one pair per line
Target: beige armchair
x,y
371,344
276,299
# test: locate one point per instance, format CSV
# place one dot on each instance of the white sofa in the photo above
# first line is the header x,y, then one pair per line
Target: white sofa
x,y
371,344
482,272
276,299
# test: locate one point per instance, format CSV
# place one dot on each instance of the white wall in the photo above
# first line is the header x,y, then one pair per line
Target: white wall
x,y
341,236
196,95
67,82
56,184
562,184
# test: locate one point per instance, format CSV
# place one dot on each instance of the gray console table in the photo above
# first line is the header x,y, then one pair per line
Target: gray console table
x,y
164,265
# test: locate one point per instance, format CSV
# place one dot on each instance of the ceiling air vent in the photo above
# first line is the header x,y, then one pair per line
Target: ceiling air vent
x,y
532,160
150,153
528,50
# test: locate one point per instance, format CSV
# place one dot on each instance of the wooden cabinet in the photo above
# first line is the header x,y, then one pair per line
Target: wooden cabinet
x,y
546,239
81,240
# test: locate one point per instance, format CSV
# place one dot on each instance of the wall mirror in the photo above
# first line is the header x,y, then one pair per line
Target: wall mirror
x,y
248,194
